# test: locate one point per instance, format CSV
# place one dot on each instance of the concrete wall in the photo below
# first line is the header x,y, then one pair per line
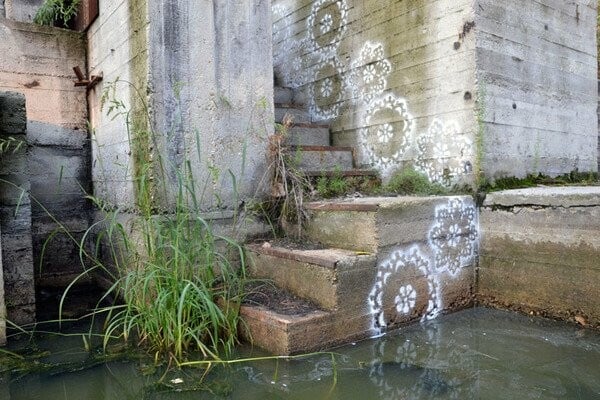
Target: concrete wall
x,y
537,74
395,78
40,67
199,71
212,83
117,48
540,250
2,303
15,213
22,10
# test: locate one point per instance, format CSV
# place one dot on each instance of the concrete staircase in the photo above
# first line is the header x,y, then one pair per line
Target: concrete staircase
x,y
384,263
368,265
309,142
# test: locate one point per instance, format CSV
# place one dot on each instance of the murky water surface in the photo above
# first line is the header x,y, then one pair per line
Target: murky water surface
x,y
474,354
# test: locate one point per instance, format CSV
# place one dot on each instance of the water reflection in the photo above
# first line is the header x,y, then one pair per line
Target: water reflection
x,y
476,354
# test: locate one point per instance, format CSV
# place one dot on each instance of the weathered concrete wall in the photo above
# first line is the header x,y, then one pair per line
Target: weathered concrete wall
x,y
2,303
212,92
117,48
540,250
207,93
399,81
40,67
22,10
537,75
59,162
396,78
15,213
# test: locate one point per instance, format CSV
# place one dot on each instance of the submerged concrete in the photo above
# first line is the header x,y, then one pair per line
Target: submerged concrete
x,y
540,252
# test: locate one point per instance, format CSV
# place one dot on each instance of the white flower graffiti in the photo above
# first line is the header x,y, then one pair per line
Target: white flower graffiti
x,y
444,154
394,293
369,72
453,235
387,134
327,89
406,298
327,24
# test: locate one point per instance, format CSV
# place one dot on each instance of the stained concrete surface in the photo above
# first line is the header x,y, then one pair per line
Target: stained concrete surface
x,y
540,252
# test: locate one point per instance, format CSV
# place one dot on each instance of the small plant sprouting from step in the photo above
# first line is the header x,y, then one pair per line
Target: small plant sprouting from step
x,y
332,186
407,181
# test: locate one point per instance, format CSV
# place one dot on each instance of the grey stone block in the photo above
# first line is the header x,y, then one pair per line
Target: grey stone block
x,y
44,134
13,119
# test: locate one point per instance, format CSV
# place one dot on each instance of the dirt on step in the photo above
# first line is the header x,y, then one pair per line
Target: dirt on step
x,y
276,299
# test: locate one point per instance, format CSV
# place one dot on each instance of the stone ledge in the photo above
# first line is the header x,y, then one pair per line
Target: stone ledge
x,y
555,196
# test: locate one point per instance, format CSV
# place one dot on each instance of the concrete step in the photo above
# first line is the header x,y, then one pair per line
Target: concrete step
x,y
330,278
322,158
405,259
378,223
314,330
308,134
298,114
367,173
283,95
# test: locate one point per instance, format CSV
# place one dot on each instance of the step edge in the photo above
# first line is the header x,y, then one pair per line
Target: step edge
x,y
343,174
296,255
308,148
332,206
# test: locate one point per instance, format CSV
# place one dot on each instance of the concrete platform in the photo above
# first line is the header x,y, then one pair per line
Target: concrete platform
x,y
540,252
331,278
418,262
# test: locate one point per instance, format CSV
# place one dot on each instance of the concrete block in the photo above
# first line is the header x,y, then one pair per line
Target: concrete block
x,y
322,158
372,224
22,10
283,95
45,134
13,119
297,114
308,135
332,279
539,251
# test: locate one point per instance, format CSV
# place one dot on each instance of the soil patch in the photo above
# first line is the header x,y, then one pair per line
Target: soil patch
x,y
276,299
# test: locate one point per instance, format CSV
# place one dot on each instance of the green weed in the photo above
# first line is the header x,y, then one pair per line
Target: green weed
x,y
407,181
56,11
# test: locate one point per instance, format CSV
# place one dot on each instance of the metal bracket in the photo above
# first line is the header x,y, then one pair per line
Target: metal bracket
x,y
83,81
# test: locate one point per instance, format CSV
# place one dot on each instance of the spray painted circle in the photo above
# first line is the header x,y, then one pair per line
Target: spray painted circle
x,y
387,132
326,24
405,287
327,89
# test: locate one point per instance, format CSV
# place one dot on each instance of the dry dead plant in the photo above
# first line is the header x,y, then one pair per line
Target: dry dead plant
x,y
288,184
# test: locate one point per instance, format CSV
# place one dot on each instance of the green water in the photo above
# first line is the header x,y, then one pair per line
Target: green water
x,y
474,354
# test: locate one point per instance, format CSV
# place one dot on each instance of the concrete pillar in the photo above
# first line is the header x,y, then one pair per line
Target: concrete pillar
x,y
15,213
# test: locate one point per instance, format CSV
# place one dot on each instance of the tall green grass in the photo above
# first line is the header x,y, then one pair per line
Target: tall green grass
x,y
178,284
